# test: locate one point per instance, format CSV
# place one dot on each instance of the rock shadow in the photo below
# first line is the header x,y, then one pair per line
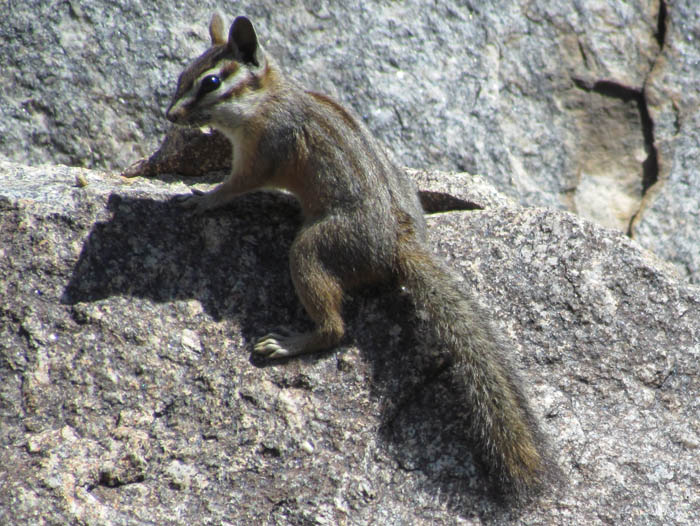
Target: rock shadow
x,y
425,420
234,261
236,267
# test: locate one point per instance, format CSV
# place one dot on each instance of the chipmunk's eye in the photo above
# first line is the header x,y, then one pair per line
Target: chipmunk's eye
x,y
209,84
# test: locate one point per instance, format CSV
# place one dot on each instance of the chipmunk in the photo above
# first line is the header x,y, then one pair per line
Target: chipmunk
x,y
363,224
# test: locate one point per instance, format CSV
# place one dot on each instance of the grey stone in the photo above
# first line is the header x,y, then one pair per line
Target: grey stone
x,y
561,104
129,394
669,222
487,89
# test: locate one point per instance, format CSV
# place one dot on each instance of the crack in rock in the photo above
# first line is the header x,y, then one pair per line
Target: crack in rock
x,y
632,191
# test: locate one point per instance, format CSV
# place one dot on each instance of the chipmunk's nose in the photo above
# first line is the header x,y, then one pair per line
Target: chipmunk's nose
x,y
172,115
176,112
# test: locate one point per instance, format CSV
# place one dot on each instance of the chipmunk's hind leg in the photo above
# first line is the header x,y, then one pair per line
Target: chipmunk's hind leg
x,y
320,291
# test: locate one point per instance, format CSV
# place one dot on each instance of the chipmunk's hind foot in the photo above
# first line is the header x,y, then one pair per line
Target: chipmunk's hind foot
x,y
283,344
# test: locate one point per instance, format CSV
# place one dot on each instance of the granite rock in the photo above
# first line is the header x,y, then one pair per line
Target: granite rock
x,y
669,220
130,396
586,106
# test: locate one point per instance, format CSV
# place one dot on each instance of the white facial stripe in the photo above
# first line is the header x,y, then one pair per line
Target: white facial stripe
x,y
234,79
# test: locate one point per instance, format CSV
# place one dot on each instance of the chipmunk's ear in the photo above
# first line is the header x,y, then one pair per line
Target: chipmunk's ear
x,y
216,30
244,42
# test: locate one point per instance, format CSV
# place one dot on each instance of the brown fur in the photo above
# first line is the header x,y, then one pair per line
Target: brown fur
x,y
363,225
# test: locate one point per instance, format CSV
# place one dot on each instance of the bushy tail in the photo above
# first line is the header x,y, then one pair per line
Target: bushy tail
x,y
501,420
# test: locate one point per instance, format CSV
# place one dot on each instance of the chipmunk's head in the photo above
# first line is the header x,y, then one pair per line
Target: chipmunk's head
x,y
224,85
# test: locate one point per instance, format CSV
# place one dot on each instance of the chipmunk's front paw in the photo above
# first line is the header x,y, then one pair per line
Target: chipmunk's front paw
x,y
195,201
275,345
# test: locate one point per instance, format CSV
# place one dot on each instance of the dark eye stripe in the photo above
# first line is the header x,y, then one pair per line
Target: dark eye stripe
x,y
207,61
229,69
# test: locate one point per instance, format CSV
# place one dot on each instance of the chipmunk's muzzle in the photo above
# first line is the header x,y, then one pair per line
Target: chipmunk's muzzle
x,y
174,114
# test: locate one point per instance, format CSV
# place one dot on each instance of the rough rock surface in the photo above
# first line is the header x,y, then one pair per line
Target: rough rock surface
x,y
129,395
669,222
585,105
